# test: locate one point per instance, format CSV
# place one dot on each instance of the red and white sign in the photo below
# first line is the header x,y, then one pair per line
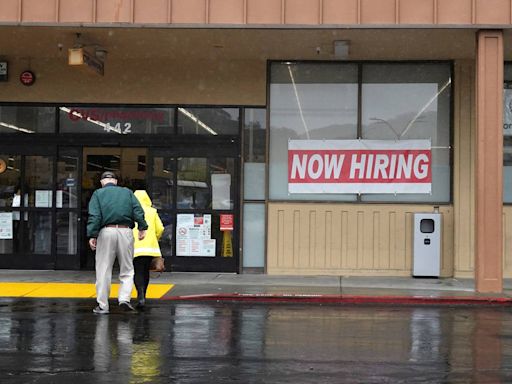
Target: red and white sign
x,y
359,166
226,222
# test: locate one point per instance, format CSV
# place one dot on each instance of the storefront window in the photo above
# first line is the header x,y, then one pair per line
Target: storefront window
x,y
10,181
27,119
162,182
321,103
208,121
507,135
254,235
410,101
309,102
67,179
39,181
205,183
67,233
255,148
38,232
116,120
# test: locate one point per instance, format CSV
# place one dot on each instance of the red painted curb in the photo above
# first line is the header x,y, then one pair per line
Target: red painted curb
x,y
344,299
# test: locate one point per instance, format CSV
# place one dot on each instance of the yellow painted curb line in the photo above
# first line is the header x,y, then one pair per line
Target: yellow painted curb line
x,y
72,290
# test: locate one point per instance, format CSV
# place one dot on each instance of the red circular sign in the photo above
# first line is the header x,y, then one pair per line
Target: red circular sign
x,y
27,78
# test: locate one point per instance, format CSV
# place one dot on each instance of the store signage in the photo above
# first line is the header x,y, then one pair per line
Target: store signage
x,y
226,222
6,231
193,235
359,166
27,78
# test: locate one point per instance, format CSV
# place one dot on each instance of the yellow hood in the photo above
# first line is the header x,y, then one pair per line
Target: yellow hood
x,y
143,198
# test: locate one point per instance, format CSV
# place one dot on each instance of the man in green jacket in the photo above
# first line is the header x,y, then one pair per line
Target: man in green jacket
x,y
113,211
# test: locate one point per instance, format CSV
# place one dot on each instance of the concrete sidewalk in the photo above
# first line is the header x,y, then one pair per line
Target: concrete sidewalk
x,y
269,288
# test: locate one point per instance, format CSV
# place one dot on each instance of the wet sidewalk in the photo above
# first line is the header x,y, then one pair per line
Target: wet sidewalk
x,y
190,286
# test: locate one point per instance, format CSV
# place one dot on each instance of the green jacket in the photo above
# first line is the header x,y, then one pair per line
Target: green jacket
x,y
114,205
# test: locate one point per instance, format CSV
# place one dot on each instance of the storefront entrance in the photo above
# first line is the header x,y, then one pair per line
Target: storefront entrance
x,y
194,196
51,158
45,193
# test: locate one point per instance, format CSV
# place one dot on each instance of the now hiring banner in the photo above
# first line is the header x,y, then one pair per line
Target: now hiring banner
x,y
359,166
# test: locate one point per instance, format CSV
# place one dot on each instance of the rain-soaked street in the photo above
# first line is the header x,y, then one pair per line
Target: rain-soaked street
x,y
62,341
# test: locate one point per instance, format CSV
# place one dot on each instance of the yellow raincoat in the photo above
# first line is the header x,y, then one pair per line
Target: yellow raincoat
x,y
149,246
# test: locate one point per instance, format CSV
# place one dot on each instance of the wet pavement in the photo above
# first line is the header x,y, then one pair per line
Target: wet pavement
x,y
62,341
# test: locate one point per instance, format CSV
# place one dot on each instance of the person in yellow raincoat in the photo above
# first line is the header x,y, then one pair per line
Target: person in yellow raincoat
x,y
146,249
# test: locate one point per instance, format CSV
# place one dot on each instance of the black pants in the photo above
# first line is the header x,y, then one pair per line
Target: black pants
x,y
141,265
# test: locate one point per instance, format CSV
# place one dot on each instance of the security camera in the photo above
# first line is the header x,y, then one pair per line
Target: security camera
x,y
60,46
318,50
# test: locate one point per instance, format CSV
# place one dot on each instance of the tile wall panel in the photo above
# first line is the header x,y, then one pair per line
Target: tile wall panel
x,y
119,11
39,11
77,11
10,11
301,11
188,11
454,11
340,11
416,12
264,11
492,11
226,12
151,11
378,11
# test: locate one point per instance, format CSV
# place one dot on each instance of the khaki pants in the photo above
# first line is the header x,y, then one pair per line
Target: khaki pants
x,y
112,243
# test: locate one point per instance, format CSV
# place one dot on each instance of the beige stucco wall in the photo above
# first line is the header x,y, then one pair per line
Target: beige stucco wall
x,y
166,81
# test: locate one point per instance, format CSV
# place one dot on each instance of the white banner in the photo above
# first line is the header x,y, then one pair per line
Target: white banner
x,y
359,166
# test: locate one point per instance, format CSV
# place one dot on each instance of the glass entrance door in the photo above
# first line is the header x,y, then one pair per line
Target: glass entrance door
x,y
197,200
129,164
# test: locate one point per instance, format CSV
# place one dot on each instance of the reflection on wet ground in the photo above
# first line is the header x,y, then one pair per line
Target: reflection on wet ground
x,y
61,341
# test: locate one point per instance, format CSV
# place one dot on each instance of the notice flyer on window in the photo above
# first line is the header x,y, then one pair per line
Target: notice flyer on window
x,y
193,235
43,199
359,166
6,226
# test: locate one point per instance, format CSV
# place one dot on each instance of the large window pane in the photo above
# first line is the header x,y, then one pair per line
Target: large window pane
x,y
39,181
116,120
10,180
208,121
162,182
206,183
25,119
254,236
12,244
67,179
66,233
309,101
410,101
193,186
507,135
38,233
255,148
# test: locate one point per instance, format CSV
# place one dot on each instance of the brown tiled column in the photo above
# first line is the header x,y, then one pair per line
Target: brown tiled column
x,y
489,162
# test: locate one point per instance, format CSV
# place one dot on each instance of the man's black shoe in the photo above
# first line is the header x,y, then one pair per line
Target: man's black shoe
x,y
125,306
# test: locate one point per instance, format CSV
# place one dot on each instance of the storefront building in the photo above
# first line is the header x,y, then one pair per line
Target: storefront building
x,y
235,115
